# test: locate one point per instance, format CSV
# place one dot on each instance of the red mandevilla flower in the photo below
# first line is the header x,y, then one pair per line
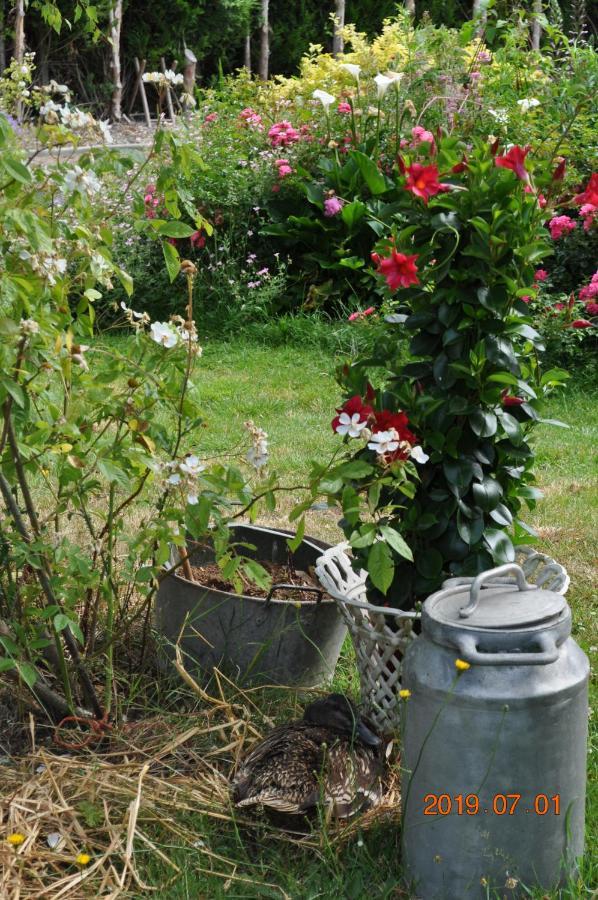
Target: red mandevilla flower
x,y
385,420
515,161
590,195
510,399
398,269
423,181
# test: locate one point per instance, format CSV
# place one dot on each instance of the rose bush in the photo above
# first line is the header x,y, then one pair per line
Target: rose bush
x,y
95,486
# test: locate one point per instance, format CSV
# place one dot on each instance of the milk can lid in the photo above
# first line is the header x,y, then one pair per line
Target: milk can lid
x,y
500,606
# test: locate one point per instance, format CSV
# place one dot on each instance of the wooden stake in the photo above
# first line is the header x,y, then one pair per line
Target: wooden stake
x,y
168,94
140,86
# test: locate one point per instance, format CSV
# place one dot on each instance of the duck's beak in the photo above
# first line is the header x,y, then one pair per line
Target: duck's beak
x,y
366,736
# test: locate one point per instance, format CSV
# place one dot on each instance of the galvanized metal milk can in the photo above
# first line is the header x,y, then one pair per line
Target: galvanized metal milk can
x,y
494,754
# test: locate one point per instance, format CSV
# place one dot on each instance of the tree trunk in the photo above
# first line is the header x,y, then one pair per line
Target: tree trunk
x,y
264,40
410,7
2,39
338,44
189,72
19,50
115,19
536,27
247,50
480,12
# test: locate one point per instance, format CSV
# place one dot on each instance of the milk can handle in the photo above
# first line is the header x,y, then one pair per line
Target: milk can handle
x,y
508,569
549,653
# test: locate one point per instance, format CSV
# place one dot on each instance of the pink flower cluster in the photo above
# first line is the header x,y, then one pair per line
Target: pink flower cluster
x,y
588,213
251,118
588,294
421,136
282,134
211,117
343,108
283,167
332,207
560,225
152,201
362,315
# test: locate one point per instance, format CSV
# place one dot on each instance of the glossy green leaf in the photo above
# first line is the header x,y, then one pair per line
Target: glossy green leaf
x,y
380,566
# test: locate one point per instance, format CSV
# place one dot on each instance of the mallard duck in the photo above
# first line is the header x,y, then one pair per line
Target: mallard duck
x,y
330,756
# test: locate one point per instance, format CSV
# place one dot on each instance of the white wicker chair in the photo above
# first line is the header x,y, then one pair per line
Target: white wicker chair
x,y
381,634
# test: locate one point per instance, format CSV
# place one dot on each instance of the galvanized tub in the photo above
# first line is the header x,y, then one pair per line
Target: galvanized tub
x,y
254,640
494,755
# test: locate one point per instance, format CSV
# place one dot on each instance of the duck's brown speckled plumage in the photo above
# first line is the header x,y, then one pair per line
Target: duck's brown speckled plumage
x,y
303,763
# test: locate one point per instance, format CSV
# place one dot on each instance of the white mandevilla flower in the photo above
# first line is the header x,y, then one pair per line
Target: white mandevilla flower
x,y
527,104
325,98
353,69
384,442
164,334
350,425
382,84
418,455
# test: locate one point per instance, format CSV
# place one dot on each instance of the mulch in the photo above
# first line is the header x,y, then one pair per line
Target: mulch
x,y
210,576
147,785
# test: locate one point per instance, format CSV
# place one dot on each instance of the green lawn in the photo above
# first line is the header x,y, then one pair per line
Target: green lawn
x,y
290,391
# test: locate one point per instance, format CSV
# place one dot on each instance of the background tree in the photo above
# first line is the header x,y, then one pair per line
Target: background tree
x,y
536,25
264,39
116,18
339,24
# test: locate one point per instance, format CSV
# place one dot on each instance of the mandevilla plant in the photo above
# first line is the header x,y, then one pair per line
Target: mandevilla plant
x,y
438,461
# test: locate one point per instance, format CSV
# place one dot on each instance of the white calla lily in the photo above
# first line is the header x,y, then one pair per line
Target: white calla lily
x,y
325,98
353,69
382,84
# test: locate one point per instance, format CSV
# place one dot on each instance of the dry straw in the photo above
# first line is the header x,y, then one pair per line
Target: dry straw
x,y
147,788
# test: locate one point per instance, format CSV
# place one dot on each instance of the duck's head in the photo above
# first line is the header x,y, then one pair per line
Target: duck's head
x,y
337,713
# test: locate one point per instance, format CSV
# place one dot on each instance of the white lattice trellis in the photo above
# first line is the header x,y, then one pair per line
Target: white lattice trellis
x,y
381,634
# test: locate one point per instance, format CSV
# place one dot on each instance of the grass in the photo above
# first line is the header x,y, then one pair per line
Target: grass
x,y
290,391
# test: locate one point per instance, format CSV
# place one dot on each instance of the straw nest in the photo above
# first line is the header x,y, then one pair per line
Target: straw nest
x,y
149,785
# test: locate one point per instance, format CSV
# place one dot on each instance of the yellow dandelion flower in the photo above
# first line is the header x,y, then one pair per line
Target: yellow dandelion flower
x,y
461,665
83,859
404,695
15,838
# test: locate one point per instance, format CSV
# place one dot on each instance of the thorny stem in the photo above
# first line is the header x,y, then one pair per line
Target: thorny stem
x,y
44,568
110,602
